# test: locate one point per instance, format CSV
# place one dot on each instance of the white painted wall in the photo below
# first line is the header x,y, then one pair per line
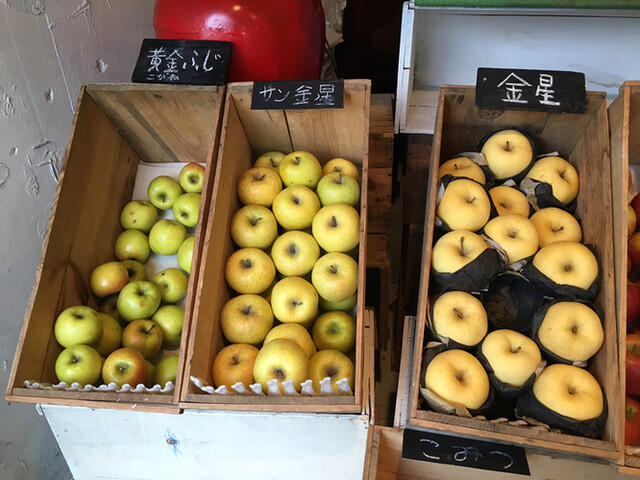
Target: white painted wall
x,y
48,49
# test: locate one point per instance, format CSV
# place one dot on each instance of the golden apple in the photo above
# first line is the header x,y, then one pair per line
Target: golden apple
x,y
456,249
508,153
567,263
516,235
249,270
509,200
464,205
459,316
233,364
333,364
462,167
513,356
281,359
295,332
556,225
558,173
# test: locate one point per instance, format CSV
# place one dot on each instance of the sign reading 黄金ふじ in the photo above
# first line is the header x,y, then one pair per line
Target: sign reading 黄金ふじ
x,y
298,95
189,62
542,90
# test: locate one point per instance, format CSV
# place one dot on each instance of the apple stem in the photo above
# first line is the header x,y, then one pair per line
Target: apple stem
x,y
296,200
75,359
459,377
150,329
471,200
296,160
568,268
557,229
333,222
462,252
254,221
235,360
247,310
279,374
339,178
516,350
293,250
259,176
458,313
296,303
508,146
246,263
333,269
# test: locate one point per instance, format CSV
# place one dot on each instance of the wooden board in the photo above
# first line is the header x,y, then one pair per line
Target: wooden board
x,y
246,134
114,128
584,139
624,125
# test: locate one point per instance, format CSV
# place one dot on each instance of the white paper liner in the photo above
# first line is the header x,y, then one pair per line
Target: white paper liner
x,y
112,387
273,391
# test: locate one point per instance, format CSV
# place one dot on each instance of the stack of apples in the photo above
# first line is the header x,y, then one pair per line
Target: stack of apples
x,y
545,361
131,337
632,360
294,276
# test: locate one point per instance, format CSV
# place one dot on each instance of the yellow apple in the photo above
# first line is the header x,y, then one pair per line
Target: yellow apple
x,y
341,165
513,356
111,335
294,253
569,391
259,186
456,249
345,305
508,153
462,167
336,227
281,359
233,364
246,319
294,300
464,205
335,276
567,263
457,376
516,235
254,226
271,159
295,207
249,270
459,316
333,364
560,174
300,168
108,278
572,331
295,332
556,225
335,331
509,200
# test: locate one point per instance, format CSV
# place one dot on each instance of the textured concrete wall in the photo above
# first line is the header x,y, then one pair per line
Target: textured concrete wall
x,y
48,49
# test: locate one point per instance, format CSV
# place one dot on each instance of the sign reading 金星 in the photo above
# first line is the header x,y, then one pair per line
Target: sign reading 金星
x,y
298,95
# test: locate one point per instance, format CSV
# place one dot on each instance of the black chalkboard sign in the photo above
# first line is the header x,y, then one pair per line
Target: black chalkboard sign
x,y
190,62
464,452
541,90
298,95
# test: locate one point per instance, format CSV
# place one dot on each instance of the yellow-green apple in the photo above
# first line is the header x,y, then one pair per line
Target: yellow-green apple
x,y
191,177
166,370
345,305
185,253
464,205
300,168
295,332
132,245
509,200
556,225
186,209
294,253
338,188
341,165
567,263
135,270
508,153
271,159
172,283
125,366
334,331
163,190
459,316
233,364
249,270
282,359
78,325
512,356
111,335
333,364
335,276
259,186
558,173
516,235
295,207
462,167
139,215
108,278
571,330
246,318
336,227
294,300
79,363
631,220
457,376
150,372
569,391
137,300
633,247
456,249
109,305
142,335
170,320
254,226
166,236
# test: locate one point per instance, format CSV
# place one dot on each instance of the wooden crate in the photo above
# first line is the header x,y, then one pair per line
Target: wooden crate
x,y
115,127
624,124
584,138
246,133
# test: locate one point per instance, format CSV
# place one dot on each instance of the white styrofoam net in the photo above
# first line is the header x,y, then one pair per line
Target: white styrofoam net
x,y
289,390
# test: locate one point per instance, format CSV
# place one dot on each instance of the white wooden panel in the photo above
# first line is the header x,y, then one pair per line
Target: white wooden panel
x,y
101,444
